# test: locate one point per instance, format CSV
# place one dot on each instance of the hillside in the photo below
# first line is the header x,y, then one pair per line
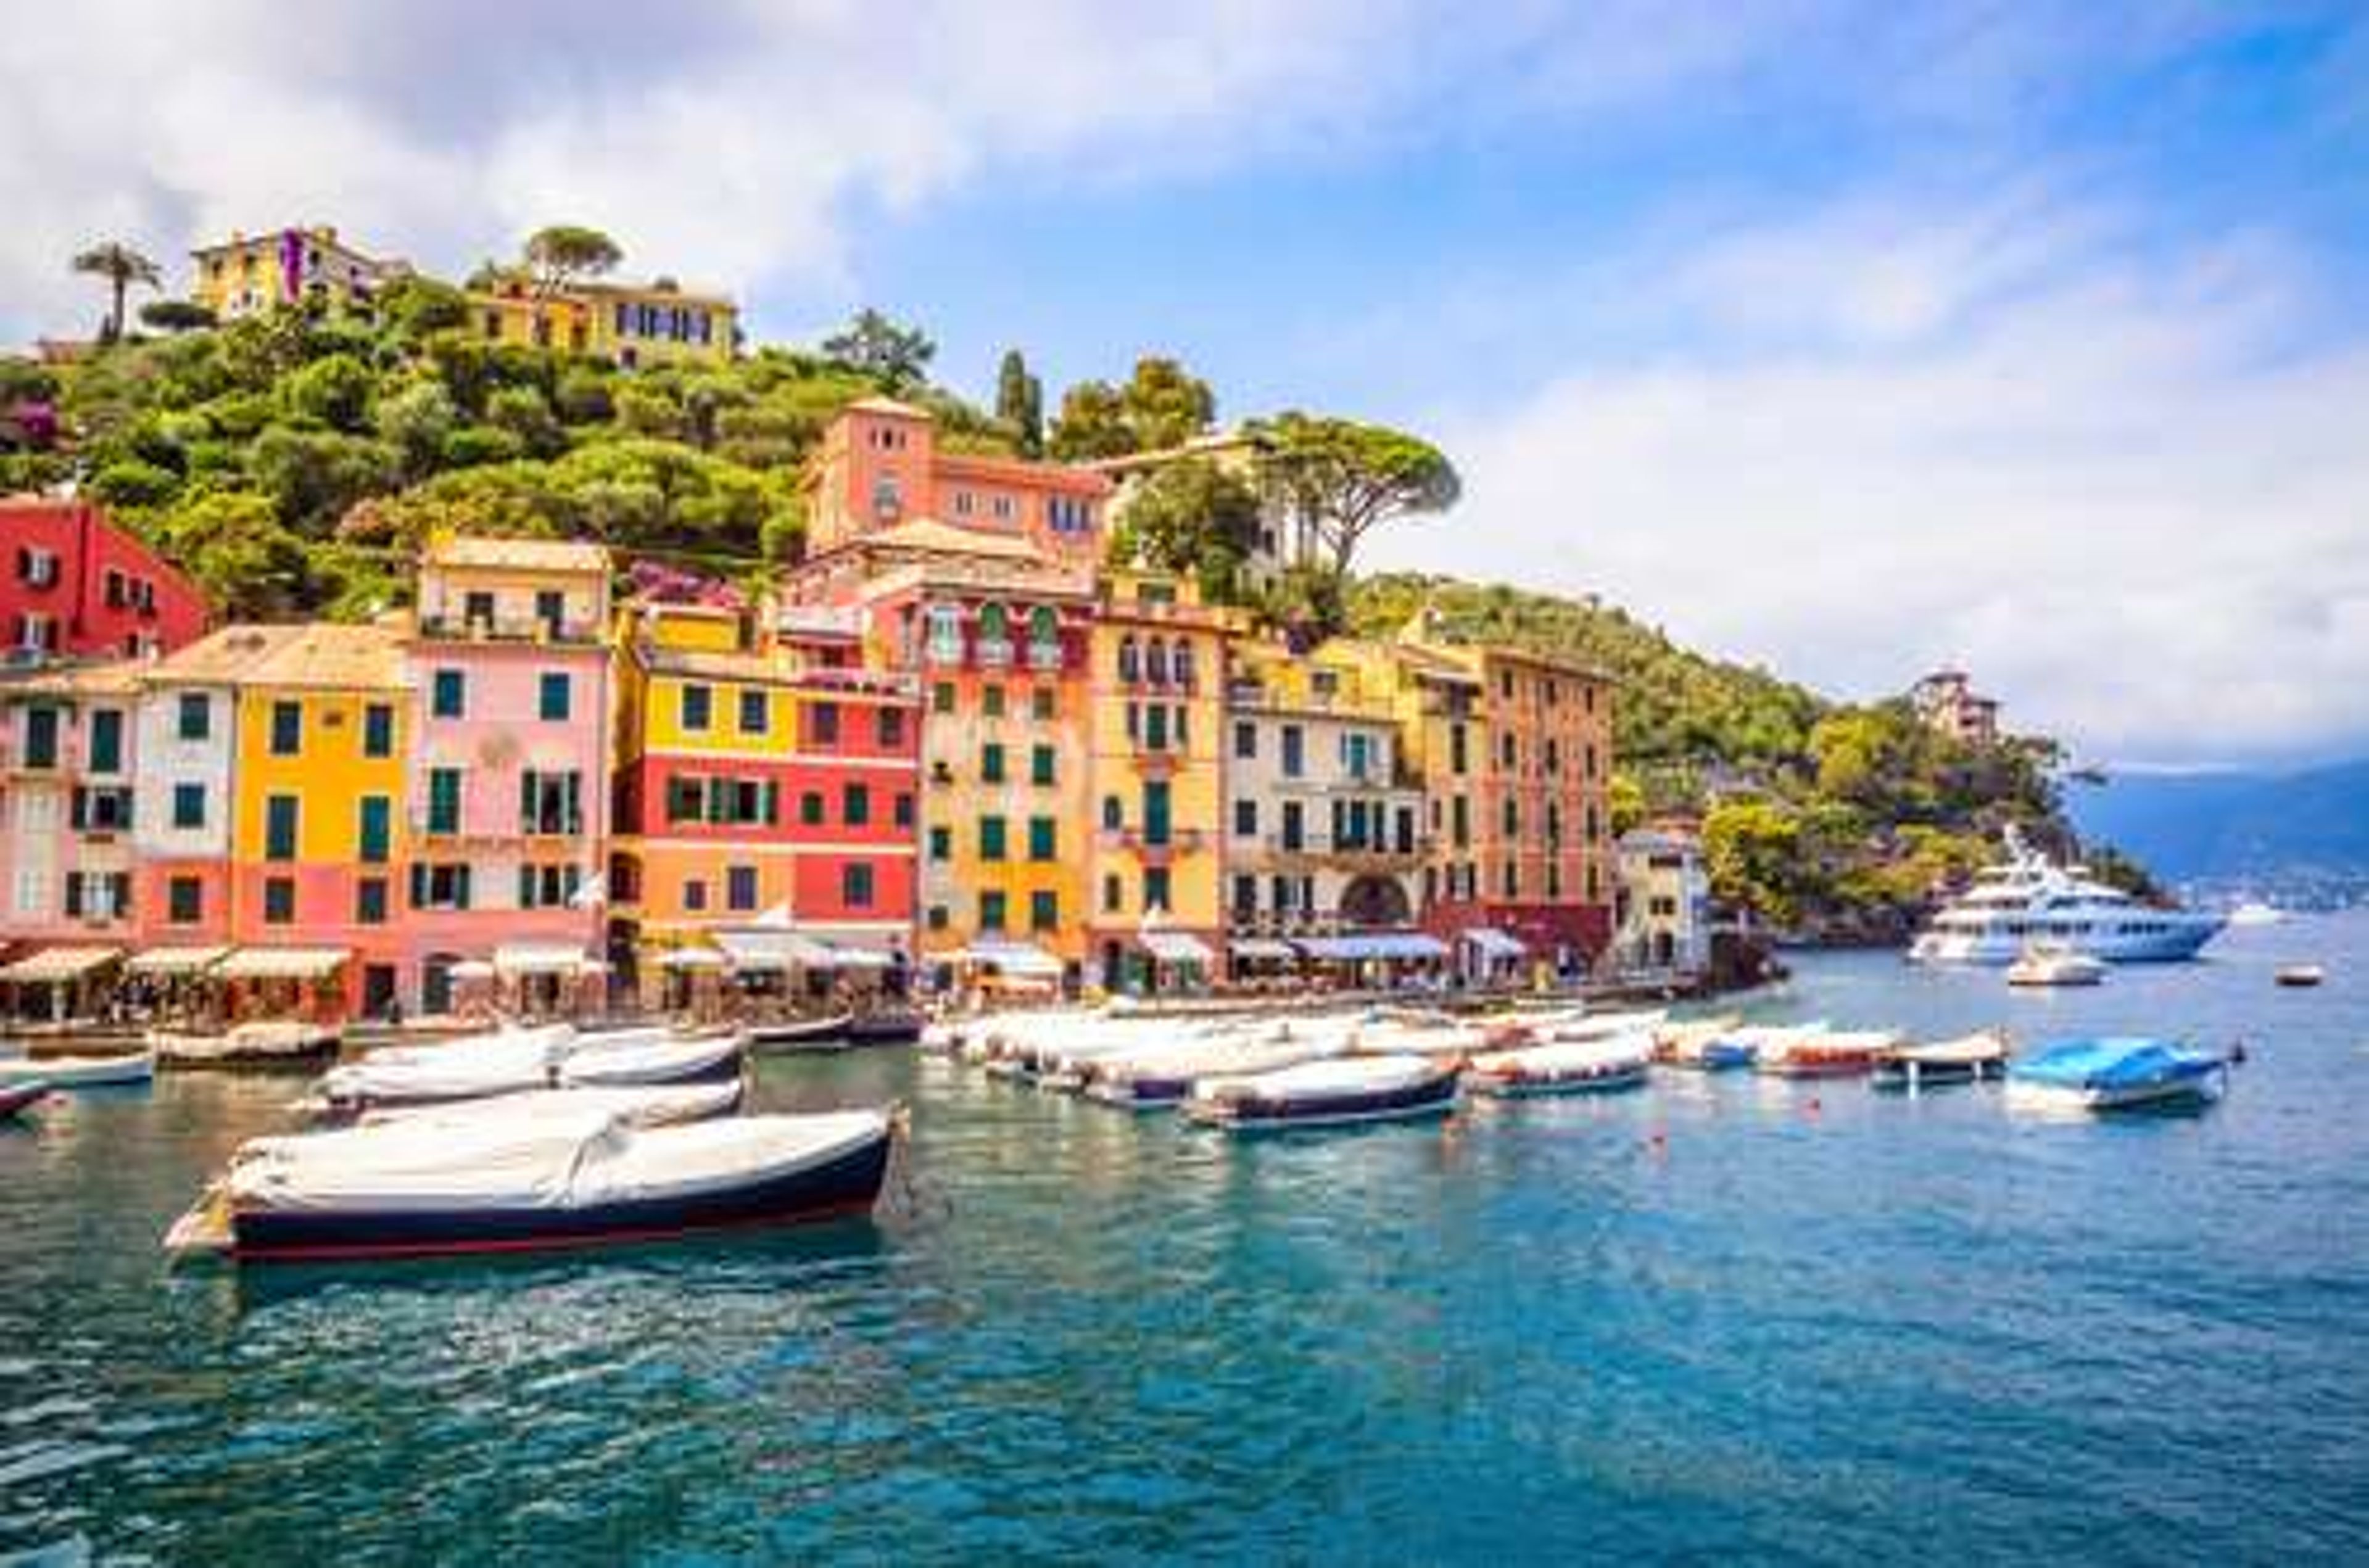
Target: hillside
x,y
2236,826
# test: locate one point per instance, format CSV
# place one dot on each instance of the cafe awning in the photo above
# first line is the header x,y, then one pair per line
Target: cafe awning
x,y
1492,943
772,950
1178,947
58,966
170,961
1263,947
690,958
1379,944
512,959
282,963
1020,960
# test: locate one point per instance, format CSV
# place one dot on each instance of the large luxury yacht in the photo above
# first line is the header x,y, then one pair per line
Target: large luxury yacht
x,y
2030,900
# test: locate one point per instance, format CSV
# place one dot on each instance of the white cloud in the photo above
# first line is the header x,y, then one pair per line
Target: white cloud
x,y
2128,494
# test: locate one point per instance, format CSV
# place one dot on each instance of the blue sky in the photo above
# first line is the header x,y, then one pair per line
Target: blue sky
x,y
1846,337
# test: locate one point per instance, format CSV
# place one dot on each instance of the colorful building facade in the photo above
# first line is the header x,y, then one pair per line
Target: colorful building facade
x,y
881,465
248,275
757,785
635,325
68,752
74,585
1156,711
508,783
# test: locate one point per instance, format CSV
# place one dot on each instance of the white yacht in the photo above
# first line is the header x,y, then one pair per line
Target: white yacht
x,y
2030,900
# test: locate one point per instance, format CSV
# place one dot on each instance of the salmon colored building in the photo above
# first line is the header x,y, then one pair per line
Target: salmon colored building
x,y
67,886
74,584
761,786
507,787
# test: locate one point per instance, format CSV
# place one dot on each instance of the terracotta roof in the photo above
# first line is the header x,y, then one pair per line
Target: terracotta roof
x,y
878,405
519,555
333,658
224,655
720,666
927,533
120,675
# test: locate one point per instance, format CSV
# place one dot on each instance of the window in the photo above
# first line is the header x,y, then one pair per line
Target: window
x,y
1113,814
1295,751
1044,638
888,728
695,895
822,724
810,809
1245,897
185,900
1131,663
1245,739
279,900
449,695
991,837
942,698
1044,909
686,799
1113,894
994,634
740,888
439,887
553,696
378,730
477,608
1295,827
990,911
991,702
443,800
1456,760
374,830
1041,839
1155,662
1246,818
1155,811
856,805
942,843
550,803
370,901
903,810
1508,754
1513,819
550,608
279,827
1155,888
553,887
1460,818
1155,727
697,707
1043,704
939,917
195,719
107,741
1040,765
945,645
855,887
188,805
990,762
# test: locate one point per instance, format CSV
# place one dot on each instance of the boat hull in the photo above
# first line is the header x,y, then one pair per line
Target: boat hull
x,y
79,1072
884,1029
20,1097
1817,1066
2189,1088
1538,1086
849,1183
2182,942
806,1035
1432,1096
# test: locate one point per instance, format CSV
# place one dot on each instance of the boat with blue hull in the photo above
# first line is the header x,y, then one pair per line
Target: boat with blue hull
x,y
2115,1074
1334,1092
532,1187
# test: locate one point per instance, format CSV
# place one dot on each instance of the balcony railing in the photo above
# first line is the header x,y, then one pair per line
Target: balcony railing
x,y
509,629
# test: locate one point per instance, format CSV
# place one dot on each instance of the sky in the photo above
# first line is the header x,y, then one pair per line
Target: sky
x,y
1849,338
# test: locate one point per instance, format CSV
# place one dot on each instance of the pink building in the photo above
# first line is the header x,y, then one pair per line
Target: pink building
x,y
510,777
67,901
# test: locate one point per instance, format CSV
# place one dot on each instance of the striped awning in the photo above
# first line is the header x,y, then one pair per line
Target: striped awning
x,y
282,963
174,960
1021,960
58,966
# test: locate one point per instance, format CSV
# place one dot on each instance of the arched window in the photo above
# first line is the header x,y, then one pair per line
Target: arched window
x,y
994,634
1044,638
1184,664
1131,666
1113,814
945,634
1155,662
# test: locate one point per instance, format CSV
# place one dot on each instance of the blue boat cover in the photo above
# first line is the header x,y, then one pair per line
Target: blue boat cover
x,y
2114,1063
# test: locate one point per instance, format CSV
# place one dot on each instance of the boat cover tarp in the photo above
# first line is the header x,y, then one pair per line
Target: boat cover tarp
x,y
2111,1064
651,1062
58,966
588,1161
1326,1079
1621,1053
647,1105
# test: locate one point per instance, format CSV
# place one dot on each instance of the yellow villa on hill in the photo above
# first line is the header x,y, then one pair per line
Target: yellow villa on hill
x,y
250,274
633,323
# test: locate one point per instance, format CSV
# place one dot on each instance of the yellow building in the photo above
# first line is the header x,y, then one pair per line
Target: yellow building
x,y
247,275
632,324
323,738
1156,712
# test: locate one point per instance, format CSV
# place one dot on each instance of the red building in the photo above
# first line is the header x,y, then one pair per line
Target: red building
x,y
73,585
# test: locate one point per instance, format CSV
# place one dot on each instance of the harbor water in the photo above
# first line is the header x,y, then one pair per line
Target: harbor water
x,y
1714,1318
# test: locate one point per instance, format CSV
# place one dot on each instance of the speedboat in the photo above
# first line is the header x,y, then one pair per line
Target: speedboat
x,y
2111,1074
1824,1053
2054,964
508,1062
2254,912
518,1185
1164,1075
1969,1059
17,1098
2030,898
1332,1093
799,1033
885,1027
2300,976
1563,1066
79,1072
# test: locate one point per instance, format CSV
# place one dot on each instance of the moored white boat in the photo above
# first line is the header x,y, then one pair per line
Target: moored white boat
x,y
1562,1067
792,1035
1968,1058
2113,1074
1824,1053
1701,1045
662,1104
1332,1093
1164,1075
2300,976
79,1072
512,1061
2029,899
515,1184
2054,964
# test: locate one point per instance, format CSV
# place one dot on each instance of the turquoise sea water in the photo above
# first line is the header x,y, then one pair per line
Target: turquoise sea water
x,y
1716,1319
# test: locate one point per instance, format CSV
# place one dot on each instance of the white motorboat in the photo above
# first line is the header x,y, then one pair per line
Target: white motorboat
x,y
1165,1075
2029,899
649,1105
1337,1091
79,1072
509,1062
2115,1074
2054,964
1563,1066
1968,1058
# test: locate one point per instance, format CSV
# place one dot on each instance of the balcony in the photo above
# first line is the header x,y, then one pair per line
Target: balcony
x,y
993,654
520,629
1044,657
1178,842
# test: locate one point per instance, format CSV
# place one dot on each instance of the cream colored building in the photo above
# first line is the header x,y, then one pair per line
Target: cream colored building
x,y
1664,902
